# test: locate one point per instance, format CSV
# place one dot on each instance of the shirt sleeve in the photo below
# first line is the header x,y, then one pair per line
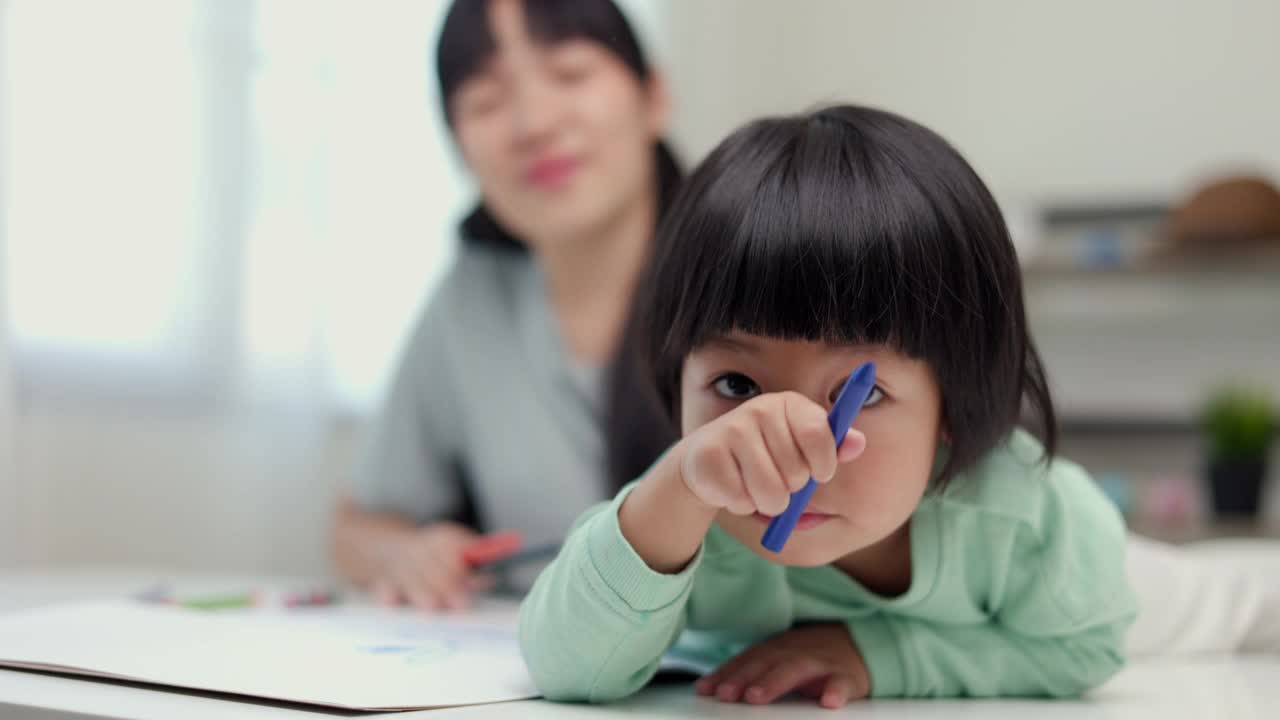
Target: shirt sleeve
x,y
909,657
408,463
1057,630
599,619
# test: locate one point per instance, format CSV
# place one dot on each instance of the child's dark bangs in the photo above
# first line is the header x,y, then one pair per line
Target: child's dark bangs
x,y
830,249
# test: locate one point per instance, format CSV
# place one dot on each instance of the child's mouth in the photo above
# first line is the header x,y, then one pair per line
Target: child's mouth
x,y
807,520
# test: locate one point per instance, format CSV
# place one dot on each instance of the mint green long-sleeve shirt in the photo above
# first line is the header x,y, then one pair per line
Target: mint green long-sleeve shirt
x,y
1018,589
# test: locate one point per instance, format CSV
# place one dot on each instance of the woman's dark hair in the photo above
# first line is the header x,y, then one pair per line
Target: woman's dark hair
x,y
850,225
637,428
466,44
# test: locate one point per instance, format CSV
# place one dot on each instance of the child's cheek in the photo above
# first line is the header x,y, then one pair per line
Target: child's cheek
x,y
881,486
697,409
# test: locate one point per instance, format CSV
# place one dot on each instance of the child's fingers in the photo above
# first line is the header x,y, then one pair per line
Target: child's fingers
x,y
838,692
739,501
733,488
812,435
854,444
729,691
760,477
707,683
711,474
784,451
813,689
731,668
783,678
733,684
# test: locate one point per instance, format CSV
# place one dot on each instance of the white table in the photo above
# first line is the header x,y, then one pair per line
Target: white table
x,y
1227,687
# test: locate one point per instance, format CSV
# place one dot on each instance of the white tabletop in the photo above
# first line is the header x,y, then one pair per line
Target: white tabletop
x,y
1229,687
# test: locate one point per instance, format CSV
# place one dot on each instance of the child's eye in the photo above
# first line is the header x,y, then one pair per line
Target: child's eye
x,y
873,399
736,386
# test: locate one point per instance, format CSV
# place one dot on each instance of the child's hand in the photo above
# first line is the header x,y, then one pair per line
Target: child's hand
x,y
748,460
754,457
819,661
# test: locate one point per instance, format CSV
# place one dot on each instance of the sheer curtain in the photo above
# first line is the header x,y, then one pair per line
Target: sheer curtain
x,y
217,220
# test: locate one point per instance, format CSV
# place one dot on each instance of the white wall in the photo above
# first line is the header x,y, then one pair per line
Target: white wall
x,y
1049,100
179,491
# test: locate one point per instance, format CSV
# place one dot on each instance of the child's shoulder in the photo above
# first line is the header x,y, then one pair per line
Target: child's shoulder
x,y
1013,482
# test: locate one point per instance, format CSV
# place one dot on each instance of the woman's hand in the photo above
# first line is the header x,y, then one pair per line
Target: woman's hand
x,y
818,661
427,568
431,567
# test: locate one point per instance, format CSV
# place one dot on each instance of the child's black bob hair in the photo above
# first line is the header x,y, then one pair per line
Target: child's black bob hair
x,y
850,225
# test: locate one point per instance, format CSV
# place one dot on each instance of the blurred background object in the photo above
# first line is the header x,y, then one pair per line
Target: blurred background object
x,y
1240,426
219,217
1233,211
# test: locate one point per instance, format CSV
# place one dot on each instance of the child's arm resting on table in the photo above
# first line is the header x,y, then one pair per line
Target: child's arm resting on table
x,y
599,619
907,657
884,655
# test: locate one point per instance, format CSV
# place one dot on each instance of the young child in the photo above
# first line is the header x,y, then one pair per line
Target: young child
x,y
945,552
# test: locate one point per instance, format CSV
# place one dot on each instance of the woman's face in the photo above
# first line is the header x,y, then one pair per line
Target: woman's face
x,y
560,136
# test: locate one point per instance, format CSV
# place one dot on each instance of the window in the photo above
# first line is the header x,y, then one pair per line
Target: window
x,y
205,195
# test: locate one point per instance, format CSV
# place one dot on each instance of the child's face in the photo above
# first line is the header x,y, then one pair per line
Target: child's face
x,y
870,497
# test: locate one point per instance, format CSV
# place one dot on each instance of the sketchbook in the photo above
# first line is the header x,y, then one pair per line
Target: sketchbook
x,y
349,657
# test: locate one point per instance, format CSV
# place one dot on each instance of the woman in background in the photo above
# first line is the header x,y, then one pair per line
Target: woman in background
x,y
496,414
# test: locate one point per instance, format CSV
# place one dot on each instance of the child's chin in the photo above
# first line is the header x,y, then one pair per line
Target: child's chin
x,y
795,554
800,551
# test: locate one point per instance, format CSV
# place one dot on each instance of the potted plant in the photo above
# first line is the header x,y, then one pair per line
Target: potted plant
x,y
1239,426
